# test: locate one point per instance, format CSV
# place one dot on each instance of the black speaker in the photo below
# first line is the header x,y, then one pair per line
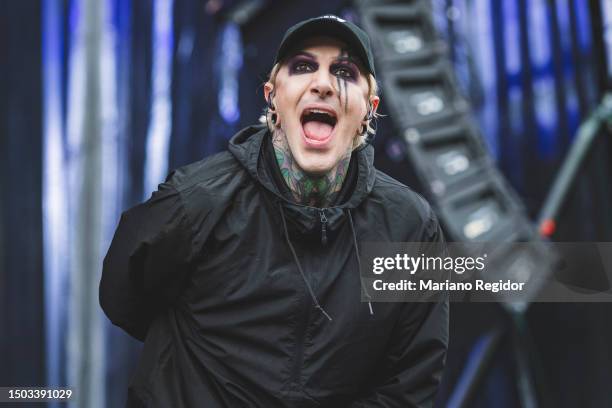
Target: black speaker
x,y
444,145
485,209
422,96
447,156
401,33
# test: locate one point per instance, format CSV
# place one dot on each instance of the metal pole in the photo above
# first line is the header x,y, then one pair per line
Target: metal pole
x,y
587,132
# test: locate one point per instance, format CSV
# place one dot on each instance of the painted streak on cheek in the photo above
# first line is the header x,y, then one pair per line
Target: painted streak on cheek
x,y
341,82
339,89
345,95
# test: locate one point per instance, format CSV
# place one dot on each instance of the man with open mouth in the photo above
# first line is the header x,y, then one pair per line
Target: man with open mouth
x,y
241,273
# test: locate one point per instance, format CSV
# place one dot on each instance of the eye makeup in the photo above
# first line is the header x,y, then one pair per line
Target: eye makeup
x,y
351,71
344,61
347,57
344,67
302,63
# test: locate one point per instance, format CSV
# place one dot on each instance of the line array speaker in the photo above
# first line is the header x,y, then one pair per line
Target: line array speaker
x,y
444,145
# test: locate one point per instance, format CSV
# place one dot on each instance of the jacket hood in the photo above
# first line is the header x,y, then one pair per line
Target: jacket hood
x,y
247,145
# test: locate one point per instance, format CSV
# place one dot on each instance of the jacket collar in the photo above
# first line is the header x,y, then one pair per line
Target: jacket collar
x,y
247,148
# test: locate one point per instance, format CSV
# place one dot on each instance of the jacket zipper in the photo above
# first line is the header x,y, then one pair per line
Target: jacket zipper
x,y
301,340
323,227
305,317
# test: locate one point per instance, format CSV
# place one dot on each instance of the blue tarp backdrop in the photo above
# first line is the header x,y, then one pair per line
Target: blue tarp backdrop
x,y
99,100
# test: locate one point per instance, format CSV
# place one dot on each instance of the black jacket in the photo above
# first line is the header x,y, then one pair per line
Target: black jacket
x,y
232,287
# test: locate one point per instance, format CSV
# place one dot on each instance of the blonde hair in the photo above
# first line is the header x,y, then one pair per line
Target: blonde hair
x,y
372,91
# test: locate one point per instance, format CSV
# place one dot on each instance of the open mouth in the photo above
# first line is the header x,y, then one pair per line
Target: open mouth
x,y
318,124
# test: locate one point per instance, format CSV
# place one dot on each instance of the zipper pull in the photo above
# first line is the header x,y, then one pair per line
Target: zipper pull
x,y
323,227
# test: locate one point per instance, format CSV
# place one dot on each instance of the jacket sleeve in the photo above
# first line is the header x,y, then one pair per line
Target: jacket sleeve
x,y
146,263
412,369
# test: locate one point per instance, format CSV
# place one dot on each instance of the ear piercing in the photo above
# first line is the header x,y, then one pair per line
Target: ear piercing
x,y
271,108
367,118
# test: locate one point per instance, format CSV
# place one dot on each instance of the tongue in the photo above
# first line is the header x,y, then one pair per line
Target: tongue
x,y
317,130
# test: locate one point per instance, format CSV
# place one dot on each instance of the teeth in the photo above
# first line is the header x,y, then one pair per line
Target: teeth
x,y
319,111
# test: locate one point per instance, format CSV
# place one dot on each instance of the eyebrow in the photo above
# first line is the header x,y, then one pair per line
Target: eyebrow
x,y
349,59
303,54
340,58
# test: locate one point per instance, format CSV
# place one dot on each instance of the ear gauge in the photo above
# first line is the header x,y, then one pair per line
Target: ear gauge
x,y
272,109
367,118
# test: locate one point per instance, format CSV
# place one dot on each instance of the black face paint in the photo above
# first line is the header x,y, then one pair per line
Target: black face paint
x,y
345,96
342,81
343,53
339,89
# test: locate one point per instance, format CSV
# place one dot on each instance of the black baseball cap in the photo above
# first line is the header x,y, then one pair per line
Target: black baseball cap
x,y
331,26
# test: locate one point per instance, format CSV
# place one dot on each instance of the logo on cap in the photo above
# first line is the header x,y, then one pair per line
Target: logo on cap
x,y
334,18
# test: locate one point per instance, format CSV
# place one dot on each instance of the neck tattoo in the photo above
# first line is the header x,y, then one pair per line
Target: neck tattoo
x,y
307,189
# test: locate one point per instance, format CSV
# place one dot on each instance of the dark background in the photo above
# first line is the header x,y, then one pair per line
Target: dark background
x,y
549,65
